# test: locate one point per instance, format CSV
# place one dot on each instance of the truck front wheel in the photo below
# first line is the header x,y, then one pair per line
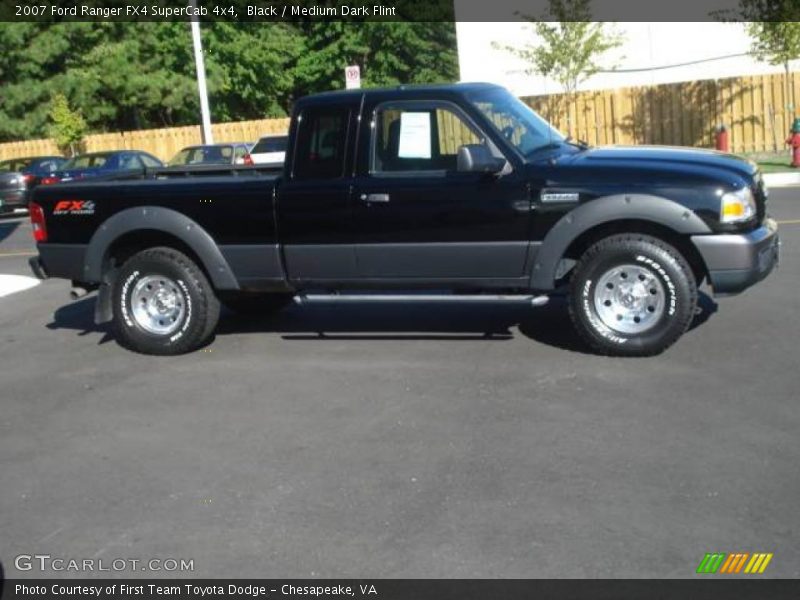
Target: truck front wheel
x,y
632,295
163,303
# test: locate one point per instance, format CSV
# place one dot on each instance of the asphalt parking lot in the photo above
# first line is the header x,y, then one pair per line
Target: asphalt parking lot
x,y
402,441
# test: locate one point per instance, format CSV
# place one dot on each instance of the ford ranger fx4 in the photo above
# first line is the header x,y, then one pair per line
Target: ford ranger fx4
x,y
458,189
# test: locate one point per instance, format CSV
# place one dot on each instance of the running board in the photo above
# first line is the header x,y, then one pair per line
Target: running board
x,y
478,298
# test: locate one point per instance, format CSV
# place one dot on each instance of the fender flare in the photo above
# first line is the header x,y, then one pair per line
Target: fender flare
x,y
641,207
166,220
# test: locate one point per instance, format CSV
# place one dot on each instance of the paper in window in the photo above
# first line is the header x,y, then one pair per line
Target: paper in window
x,y
415,135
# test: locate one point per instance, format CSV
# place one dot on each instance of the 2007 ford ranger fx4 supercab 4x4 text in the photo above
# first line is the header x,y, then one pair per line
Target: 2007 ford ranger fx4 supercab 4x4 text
x,y
459,189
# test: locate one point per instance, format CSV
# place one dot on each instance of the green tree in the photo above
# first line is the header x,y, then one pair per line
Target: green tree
x,y
68,126
124,76
250,69
568,46
389,53
778,42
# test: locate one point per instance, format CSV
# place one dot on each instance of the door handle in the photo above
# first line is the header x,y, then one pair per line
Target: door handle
x,y
369,198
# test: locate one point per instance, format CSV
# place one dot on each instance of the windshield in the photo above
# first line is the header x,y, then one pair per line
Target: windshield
x,y
514,120
203,155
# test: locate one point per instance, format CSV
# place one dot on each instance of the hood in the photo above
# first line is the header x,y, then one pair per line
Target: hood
x,y
666,163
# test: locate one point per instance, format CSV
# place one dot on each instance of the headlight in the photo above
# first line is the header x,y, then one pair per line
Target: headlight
x,y
737,206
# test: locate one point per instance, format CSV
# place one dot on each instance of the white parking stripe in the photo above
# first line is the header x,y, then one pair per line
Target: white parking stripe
x,y
11,284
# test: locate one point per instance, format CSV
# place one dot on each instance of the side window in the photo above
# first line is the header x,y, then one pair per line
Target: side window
x,y
321,140
419,139
238,156
149,161
129,161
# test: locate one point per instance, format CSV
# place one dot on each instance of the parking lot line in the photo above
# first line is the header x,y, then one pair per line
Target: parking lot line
x,y
789,222
11,284
6,254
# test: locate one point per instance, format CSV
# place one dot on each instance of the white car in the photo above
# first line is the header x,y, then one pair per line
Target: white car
x,y
270,149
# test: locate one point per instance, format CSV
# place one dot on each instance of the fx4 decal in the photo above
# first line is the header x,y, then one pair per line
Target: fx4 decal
x,y
74,207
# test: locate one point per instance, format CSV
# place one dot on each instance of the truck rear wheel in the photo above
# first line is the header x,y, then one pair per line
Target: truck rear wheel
x,y
163,303
632,295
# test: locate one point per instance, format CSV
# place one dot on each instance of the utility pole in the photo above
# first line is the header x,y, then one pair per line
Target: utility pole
x,y
200,66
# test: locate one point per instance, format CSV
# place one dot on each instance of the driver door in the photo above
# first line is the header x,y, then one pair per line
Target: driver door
x,y
417,217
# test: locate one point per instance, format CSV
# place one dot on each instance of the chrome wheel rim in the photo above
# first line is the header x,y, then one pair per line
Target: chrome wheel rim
x,y
158,304
629,299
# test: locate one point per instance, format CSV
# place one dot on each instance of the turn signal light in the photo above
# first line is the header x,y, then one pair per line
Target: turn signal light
x,y
737,206
37,221
49,179
731,211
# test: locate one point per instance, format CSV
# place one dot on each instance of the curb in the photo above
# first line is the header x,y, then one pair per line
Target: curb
x,y
781,179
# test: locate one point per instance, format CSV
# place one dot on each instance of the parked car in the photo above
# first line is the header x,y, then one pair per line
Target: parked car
x,y
102,164
236,153
270,150
460,188
18,176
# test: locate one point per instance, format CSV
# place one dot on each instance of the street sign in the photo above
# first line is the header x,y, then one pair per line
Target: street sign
x,y
352,77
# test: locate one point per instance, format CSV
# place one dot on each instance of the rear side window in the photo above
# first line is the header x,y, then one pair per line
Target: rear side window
x,y
15,165
129,161
149,161
321,141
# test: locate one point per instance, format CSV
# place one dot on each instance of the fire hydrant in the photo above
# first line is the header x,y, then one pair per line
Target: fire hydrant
x,y
794,141
721,139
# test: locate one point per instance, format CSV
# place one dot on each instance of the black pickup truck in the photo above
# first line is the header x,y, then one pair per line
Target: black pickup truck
x,y
456,189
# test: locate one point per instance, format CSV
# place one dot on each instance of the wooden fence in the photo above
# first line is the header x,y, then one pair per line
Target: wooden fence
x,y
755,110
163,143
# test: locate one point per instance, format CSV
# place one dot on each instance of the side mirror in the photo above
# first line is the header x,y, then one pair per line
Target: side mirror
x,y
476,158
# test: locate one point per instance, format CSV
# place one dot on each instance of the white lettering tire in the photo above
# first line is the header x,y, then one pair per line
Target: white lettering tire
x,y
632,295
163,303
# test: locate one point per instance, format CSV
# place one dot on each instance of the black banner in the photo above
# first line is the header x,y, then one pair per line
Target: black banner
x,y
382,589
275,11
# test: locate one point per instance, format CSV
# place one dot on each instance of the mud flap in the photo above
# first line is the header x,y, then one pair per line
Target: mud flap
x,y
103,312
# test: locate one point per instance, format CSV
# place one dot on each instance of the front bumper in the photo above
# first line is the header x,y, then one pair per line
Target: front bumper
x,y
736,262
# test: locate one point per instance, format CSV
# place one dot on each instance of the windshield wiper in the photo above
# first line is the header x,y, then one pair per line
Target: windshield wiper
x,y
549,146
577,143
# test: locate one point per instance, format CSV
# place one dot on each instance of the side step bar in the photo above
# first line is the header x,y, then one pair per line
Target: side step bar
x,y
534,301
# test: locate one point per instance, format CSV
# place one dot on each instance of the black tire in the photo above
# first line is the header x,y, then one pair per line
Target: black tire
x,y
252,303
672,278
195,319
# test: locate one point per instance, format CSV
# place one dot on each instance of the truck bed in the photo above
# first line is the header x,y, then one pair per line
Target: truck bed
x,y
234,204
